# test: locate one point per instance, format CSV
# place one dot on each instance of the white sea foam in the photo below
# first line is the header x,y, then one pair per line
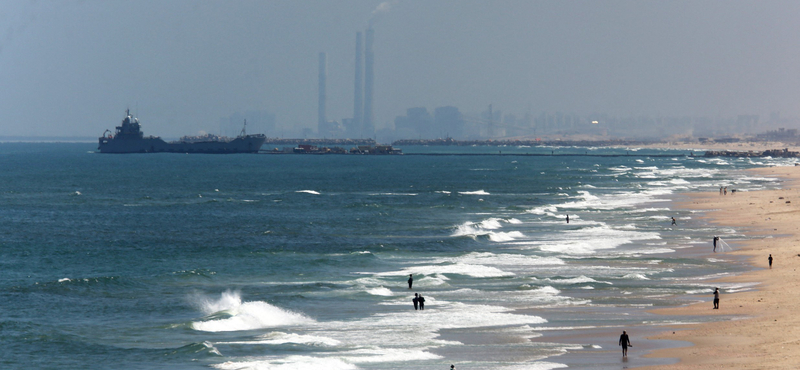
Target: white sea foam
x,y
243,315
375,355
591,239
308,192
502,259
211,348
63,280
276,338
288,363
476,192
381,291
576,280
505,236
486,227
479,271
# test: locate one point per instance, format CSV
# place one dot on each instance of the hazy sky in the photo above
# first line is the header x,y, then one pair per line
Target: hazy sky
x,y
73,67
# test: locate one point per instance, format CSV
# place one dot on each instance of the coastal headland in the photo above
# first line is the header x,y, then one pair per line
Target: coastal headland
x,y
758,329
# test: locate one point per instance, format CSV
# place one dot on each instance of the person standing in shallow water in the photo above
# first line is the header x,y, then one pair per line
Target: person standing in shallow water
x,y
410,281
567,218
625,342
421,301
674,223
416,301
716,298
715,242
770,261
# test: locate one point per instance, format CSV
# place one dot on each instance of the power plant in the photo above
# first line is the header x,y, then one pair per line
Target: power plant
x,y
362,125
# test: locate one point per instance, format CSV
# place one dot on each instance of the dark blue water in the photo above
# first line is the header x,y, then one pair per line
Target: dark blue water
x,y
300,262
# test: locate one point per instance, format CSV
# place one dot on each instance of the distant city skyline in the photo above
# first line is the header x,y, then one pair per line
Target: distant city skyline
x,y
71,68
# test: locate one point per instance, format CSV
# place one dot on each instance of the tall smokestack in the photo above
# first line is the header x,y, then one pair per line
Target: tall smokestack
x,y
358,99
323,77
369,125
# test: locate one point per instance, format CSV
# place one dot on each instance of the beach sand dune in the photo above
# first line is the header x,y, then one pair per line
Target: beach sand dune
x,y
759,329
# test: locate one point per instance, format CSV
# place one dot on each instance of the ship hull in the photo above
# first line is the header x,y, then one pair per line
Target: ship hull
x,y
120,145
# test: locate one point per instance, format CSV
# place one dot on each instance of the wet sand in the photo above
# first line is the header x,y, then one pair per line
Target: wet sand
x,y
757,329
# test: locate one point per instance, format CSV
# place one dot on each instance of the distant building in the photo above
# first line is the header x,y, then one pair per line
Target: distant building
x,y
449,122
416,124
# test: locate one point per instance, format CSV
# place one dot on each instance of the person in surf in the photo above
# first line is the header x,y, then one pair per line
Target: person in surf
x,y
625,342
421,301
416,301
410,280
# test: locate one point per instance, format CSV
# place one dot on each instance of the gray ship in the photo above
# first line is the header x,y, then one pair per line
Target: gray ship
x,y
129,139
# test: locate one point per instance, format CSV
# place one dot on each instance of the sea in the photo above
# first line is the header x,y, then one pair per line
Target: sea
x,y
264,261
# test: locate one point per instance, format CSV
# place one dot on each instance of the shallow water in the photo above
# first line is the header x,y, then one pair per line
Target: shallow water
x,y
295,262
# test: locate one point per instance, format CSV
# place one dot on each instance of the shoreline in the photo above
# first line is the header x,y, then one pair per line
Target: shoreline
x,y
757,328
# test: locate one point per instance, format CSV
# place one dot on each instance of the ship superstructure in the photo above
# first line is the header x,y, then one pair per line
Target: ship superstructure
x,y
129,138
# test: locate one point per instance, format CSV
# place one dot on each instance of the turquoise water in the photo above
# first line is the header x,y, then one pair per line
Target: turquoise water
x,y
300,262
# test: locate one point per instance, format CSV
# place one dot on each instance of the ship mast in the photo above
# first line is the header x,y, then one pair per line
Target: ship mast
x,y
244,129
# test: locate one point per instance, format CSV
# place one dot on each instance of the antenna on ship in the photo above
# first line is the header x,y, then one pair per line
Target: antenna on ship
x,y
244,129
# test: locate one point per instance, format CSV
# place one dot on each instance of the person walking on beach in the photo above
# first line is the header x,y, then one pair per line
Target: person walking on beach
x,y
421,301
410,281
416,301
716,298
725,191
674,223
625,342
770,261
720,190
715,242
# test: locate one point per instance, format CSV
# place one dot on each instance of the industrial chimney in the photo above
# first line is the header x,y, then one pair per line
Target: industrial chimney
x,y
369,125
358,99
323,76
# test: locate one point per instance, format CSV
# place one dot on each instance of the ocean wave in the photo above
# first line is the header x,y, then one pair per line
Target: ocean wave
x,y
591,239
391,194
376,355
575,280
288,363
502,259
277,338
476,192
380,291
479,271
485,227
308,192
229,313
195,348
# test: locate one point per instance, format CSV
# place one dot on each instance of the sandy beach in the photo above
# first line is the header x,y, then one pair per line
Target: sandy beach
x,y
743,146
761,329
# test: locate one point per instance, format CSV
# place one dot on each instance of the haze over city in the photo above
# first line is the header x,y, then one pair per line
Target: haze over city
x,y
71,68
